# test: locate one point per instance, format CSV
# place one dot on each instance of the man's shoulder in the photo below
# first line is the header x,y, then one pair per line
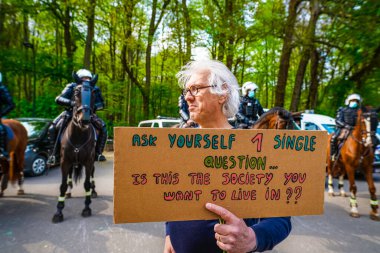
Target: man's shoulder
x,y
71,85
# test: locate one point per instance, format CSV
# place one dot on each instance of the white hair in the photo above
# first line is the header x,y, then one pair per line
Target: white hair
x,y
220,77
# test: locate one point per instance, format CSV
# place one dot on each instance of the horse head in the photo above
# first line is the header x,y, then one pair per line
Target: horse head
x,y
364,121
275,118
84,101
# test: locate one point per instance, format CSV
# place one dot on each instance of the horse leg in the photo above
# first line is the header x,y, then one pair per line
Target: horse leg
x,y
330,185
69,186
20,190
87,186
354,212
374,215
4,183
341,186
94,194
58,216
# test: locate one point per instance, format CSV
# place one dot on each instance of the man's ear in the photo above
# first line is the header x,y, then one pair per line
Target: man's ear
x,y
223,98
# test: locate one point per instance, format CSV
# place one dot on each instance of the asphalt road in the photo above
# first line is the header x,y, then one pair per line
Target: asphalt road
x,y
25,222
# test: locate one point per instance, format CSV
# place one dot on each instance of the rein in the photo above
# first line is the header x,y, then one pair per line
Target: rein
x,y
281,120
76,148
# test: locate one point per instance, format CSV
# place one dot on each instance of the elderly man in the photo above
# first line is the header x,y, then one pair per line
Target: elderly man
x,y
212,94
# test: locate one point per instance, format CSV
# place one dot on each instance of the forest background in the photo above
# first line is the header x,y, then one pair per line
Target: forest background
x,y
302,54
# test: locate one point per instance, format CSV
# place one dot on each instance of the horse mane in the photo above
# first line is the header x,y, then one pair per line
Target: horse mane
x,y
274,112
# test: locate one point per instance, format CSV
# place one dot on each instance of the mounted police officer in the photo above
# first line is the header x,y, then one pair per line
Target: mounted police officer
x,y
345,119
66,99
250,108
6,105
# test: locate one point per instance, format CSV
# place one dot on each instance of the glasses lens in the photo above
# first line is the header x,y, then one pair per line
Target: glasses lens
x,y
193,90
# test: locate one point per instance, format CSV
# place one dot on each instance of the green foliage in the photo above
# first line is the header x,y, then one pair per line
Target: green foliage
x,y
250,33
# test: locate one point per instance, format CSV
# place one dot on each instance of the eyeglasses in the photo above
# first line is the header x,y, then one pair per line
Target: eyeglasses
x,y
194,90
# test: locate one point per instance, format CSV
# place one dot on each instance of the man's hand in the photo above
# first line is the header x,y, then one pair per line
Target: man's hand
x,y
168,245
234,236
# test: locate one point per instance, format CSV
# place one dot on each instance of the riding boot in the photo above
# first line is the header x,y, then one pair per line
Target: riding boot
x,y
100,144
52,137
3,143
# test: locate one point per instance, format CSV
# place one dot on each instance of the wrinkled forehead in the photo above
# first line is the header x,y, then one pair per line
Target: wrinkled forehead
x,y
198,77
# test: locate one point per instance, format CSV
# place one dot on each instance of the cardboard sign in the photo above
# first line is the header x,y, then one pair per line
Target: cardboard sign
x,y
170,174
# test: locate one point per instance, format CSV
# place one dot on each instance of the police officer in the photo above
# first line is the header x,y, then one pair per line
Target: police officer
x,y
66,99
6,105
250,108
345,118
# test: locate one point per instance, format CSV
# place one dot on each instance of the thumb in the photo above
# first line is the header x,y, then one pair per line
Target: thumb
x,y
223,213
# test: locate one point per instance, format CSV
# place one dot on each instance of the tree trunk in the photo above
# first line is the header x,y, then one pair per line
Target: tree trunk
x,y
90,34
286,53
313,91
305,55
187,31
152,30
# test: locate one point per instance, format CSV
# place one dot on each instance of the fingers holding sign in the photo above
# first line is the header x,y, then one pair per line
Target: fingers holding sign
x,y
234,236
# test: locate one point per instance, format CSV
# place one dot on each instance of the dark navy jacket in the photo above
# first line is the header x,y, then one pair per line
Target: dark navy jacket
x,y
6,102
199,236
67,95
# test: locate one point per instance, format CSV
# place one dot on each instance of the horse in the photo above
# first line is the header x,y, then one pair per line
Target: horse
x,y
355,153
78,148
276,118
13,170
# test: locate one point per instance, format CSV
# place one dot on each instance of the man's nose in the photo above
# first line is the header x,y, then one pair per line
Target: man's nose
x,y
188,96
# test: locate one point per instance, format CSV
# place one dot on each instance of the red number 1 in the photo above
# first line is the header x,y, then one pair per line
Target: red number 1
x,y
259,139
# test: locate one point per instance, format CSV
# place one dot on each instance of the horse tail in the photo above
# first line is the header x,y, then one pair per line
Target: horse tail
x,y
77,173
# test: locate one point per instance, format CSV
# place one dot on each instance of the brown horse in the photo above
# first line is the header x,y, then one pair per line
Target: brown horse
x,y
13,170
275,118
356,153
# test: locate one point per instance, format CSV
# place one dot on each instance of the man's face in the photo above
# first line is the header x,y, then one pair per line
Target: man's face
x,y
204,106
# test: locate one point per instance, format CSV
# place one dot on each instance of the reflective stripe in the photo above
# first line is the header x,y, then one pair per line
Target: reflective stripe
x,y
353,201
61,199
374,202
69,180
88,193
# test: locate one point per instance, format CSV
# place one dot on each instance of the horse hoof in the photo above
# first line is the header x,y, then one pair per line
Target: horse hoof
x,y
86,212
94,194
354,215
20,192
1,194
68,195
374,216
57,218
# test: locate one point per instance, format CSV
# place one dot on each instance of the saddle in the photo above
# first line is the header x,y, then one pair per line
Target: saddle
x,y
9,134
341,139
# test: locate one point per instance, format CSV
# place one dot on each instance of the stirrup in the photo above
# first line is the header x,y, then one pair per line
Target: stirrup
x,y
2,156
51,160
100,158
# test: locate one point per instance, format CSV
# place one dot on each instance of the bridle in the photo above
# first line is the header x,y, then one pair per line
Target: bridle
x,y
288,122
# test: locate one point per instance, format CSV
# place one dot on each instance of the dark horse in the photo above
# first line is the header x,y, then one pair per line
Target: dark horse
x,y
78,148
13,170
356,153
275,118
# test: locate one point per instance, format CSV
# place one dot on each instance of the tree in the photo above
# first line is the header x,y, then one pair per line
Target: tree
x,y
286,52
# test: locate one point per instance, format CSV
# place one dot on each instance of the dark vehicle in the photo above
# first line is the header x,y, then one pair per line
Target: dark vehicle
x,y
376,164
38,148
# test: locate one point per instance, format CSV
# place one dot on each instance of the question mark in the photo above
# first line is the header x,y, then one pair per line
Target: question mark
x,y
298,190
289,191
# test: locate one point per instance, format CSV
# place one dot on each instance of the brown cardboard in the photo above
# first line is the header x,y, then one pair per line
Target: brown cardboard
x,y
242,170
